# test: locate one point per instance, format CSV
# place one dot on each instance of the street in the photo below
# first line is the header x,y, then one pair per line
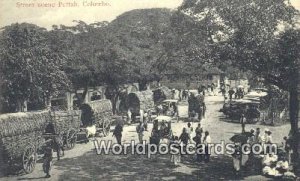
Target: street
x,y
82,163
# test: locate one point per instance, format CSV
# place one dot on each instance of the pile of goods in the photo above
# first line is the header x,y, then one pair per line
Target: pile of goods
x,y
102,111
18,131
64,120
97,113
161,94
146,99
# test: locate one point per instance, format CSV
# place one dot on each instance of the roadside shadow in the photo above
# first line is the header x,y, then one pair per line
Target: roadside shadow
x,y
139,167
31,178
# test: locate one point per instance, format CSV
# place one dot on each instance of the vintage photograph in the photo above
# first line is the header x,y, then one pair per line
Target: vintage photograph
x,y
152,90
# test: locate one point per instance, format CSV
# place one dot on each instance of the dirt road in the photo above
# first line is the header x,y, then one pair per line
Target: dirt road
x,y
82,163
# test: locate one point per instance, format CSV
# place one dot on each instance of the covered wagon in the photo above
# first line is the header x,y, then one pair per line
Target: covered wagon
x,y
20,137
162,93
137,101
97,113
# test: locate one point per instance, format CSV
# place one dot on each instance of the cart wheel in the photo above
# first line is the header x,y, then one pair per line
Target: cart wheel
x,y
29,159
71,138
106,127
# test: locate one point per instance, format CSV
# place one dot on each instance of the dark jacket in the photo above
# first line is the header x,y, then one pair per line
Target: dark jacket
x,y
118,130
184,137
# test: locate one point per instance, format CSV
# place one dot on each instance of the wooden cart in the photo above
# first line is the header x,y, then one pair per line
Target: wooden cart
x,y
66,126
20,137
98,113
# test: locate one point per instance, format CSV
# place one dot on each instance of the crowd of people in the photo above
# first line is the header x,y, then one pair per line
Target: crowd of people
x,y
273,163
162,133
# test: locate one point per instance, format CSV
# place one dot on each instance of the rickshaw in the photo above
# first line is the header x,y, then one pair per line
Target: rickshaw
x,y
163,129
170,107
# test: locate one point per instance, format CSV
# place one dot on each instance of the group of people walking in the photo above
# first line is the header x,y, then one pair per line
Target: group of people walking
x,y
237,94
185,138
162,133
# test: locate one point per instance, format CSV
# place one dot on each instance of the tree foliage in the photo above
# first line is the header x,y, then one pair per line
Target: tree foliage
x,y
30,68
255,35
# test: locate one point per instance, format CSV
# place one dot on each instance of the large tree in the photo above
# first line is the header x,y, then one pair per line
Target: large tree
x,y
80,44
249,35
133,46
30,69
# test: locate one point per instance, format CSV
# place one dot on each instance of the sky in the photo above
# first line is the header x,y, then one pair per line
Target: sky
x,y
13,11
48,16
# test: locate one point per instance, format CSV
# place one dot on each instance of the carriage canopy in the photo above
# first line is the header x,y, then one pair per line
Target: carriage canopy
x,y
161,94
95,112
140,100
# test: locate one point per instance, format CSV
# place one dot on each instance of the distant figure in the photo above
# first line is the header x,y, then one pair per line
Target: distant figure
x,y
243,122
57,142
173,94
251,138
212,87
204,109
118,132
189,129
184,94
264,136
145,120
184,138
199,129
129,116
200,112
180,94
176,157
48,157
231,92
149,116
197,140
141,115
140,131
269,138
223,91
155,134
287,148
237,157
206,141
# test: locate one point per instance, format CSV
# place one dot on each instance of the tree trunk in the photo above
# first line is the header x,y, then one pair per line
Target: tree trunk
x,y
294,111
